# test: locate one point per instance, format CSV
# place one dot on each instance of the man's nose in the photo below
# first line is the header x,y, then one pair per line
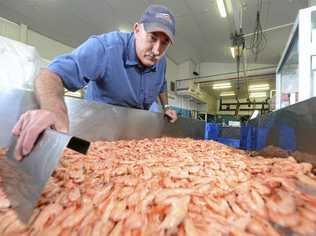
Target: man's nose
x,y
157,48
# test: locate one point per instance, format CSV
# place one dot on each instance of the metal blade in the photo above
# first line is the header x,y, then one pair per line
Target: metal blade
x,y
24,180
97,121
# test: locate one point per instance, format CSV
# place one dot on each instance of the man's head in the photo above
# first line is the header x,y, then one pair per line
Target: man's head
x,y
154,33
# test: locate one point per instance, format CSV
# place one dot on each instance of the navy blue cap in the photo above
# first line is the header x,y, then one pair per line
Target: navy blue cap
x,y
158,18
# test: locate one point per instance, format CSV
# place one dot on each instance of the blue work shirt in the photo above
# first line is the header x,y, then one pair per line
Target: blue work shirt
x,y
108,65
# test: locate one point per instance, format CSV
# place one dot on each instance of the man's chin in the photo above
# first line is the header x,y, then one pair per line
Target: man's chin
x,y
149,63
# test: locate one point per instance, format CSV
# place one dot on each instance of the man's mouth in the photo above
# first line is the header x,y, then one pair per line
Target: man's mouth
x,y
152,57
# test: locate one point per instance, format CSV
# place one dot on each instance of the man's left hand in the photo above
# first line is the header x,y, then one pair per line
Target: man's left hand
x,y
171,114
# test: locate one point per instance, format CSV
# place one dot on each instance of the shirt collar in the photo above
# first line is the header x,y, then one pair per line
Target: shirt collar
x,y
131,52
132,59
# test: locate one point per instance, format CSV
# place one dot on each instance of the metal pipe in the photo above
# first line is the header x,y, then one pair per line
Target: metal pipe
x,y
271,29
234,78
227,73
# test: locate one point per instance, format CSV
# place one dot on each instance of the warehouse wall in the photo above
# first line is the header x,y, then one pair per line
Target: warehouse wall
x,y
47,48
185,70
9,29
211,104
172,70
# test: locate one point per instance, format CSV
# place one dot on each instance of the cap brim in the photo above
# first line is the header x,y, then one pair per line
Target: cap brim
x,y
156,27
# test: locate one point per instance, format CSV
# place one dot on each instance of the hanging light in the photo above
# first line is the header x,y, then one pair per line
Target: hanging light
x,y
227,94
258,95
221,8
222,86
258,87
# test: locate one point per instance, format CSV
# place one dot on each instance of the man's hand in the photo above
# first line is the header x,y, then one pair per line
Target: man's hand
x,y
31,124
171,114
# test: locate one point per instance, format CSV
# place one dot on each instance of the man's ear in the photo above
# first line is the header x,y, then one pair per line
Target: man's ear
x,y
136,28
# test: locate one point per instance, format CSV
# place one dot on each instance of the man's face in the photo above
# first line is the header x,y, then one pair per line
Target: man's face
x,y
150,47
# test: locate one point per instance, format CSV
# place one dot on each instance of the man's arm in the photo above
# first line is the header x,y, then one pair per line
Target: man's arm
x,y
171,114
49,92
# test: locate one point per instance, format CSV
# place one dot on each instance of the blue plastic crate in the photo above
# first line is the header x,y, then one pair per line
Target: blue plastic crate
x,y
212,131
246,142
260,135
229,142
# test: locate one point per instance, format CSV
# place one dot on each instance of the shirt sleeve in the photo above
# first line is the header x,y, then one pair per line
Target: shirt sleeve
x,y
85,63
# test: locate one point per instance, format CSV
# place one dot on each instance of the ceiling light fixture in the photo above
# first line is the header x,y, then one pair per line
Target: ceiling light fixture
x,y
235,51
221,8
232,51
227,94
258,95
259,87
222,86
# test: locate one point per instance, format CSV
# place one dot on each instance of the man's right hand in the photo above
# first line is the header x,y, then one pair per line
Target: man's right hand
x,y
31,124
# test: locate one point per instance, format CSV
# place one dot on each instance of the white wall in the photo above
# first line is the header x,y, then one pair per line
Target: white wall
x,y
9,29
47,48
186,103
185,70
172,71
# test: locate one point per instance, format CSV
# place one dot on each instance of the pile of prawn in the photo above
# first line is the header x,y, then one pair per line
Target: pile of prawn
x,y
170,186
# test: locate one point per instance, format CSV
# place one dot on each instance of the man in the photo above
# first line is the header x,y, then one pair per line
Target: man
x,y
125,69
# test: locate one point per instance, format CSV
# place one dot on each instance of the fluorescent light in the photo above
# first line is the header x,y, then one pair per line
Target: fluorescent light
x,y
222,86
227,94
221,8
258,95
259,87
232,51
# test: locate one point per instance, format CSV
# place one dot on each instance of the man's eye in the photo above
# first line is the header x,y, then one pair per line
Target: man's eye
x,y
152,38
165,44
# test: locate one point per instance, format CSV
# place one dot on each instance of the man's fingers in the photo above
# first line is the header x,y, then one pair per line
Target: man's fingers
x,y
29,139
29,127
172,115
19,147
61,127
18,126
